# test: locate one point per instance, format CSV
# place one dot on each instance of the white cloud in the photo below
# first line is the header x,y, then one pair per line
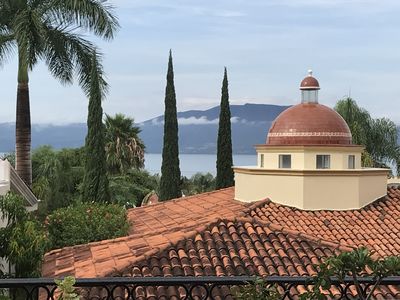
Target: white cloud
x,y
196,121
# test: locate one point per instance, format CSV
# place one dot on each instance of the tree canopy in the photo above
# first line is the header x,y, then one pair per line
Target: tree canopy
x,y
50,31
379,136
225,177
170,182
124,148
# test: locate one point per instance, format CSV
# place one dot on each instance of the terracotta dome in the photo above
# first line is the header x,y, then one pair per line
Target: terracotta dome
x,y
309,83
309,124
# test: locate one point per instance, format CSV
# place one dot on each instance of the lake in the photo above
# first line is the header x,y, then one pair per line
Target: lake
x,y
191,164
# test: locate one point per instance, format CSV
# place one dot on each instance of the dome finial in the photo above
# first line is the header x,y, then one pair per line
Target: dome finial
x,y
309,72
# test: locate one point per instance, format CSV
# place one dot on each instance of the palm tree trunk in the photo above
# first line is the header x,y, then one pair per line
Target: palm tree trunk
x,y
23,162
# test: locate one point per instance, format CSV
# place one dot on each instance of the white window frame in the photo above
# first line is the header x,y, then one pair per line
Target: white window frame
x,y
281,162
325,161
351,162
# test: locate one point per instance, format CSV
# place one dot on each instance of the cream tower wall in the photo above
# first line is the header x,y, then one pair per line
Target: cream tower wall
x,y
303,157
311,189
306,187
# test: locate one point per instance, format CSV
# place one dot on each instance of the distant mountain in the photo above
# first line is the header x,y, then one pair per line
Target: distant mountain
x,y
197,130
58,136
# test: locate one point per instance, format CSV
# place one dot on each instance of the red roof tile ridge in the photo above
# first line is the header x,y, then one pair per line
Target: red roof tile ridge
x,y
254,205
184,236
91,244
304,236
136,209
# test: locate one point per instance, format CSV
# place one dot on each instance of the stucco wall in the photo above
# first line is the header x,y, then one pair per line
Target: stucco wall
x,y
284,189
304,157
311,189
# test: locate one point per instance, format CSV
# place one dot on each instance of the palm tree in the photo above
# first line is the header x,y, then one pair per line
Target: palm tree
x,y
48,30
379,136
124,148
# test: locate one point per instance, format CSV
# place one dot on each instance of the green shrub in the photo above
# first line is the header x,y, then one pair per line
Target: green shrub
x,y
86,222
129,189
23,241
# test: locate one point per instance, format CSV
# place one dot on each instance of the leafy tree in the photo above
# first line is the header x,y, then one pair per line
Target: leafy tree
x,y
170,172
124,148
257,290
82,223
95,181
57,177
66,288
198,183
354,264
129,189
379,136
23,241
49,30
224,144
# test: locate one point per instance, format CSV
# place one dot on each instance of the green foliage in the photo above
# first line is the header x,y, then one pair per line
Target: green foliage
x,y
198,183
224,143
86,222
124,148
95,185
57,176
170,172
23,240
130,188
359,262
51,31
66,288
258,290
379,136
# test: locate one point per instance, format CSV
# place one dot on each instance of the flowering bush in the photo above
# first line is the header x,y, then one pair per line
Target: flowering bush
x,y
86,222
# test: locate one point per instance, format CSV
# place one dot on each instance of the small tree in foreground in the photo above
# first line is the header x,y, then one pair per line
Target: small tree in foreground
x,y
354,264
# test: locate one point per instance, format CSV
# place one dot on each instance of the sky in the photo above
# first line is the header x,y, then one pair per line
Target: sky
x,y
353,47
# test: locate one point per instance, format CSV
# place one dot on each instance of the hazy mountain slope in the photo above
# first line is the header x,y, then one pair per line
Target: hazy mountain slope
x,y
197,130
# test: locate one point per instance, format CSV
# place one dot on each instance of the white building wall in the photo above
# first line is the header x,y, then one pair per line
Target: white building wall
x,y
4,188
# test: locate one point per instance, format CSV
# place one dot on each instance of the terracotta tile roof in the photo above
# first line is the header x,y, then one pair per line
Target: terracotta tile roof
x,y
376,226
212,234
152,227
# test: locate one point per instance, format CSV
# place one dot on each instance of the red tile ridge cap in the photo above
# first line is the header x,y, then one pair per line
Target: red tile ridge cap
x,y
91,244
304,236
185,236
254,205
181,199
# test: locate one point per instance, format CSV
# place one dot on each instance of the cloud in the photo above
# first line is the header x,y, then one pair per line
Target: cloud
x,y
196,121
203,121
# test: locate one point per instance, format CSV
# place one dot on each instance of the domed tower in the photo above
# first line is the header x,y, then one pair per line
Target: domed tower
x,y
309,160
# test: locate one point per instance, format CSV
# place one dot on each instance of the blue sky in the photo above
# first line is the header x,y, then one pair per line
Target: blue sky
x,y
267,46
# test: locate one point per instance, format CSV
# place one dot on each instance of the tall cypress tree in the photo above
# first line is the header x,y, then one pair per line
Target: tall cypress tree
x,y
95,181
224,145
170,172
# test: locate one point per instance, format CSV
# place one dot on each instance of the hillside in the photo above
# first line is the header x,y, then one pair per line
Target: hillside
x,y
197,130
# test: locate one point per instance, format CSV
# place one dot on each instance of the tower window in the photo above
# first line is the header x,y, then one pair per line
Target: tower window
x,y
262,160
285,161
352,162
323,161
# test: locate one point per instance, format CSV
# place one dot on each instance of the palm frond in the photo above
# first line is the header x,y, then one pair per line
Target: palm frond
x,y
29,30
7,47
62,50
94,15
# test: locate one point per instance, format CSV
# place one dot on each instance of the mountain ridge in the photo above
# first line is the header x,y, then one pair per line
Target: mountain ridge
x,y
197,130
